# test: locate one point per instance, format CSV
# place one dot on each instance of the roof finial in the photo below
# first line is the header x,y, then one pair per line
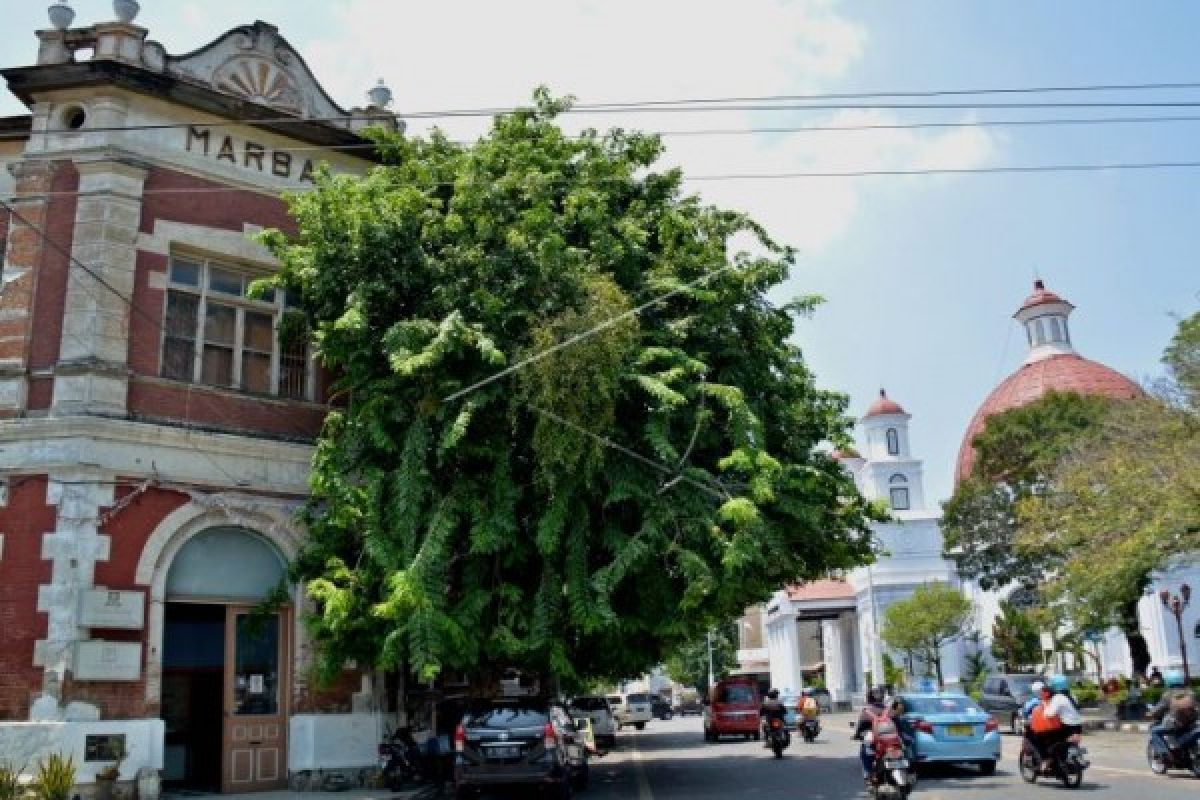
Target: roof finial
x,y
61,15
1039,285
380,96
882,392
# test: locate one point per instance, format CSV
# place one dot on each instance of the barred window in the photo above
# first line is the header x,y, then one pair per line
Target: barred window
x,y
214,333
899,498
893,442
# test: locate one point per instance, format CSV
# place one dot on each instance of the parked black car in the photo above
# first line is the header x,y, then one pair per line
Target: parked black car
x,y
1003,696
524,742
660,707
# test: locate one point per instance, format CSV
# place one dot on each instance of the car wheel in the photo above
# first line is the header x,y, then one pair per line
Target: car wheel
x,y
582,778
641,726
463,793
756,736
1158,764
987,767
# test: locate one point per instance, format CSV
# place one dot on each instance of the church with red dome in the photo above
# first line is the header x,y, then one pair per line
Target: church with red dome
x,y
1052,365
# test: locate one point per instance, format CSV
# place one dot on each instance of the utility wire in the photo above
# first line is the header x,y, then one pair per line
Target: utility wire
x,y
731,176
579,337
782,102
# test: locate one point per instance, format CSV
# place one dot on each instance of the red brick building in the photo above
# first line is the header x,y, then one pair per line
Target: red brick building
x,y
155,427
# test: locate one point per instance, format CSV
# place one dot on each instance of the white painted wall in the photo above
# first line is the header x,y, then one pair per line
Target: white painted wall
x,y
25,743
336,741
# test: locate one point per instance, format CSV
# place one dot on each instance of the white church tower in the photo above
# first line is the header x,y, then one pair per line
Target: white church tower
x,y
911,544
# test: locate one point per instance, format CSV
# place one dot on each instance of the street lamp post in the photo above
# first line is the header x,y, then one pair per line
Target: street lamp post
x,y
1176,603
708,637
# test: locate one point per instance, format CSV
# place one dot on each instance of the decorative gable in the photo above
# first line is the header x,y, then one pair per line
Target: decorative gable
x,y
256,64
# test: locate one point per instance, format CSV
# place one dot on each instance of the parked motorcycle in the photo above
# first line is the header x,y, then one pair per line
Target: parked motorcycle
x,y
401,763
1175,751
810,728
778,737
1066,762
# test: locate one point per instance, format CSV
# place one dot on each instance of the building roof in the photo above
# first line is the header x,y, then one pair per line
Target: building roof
x,y
1041,297
1065,372
883,406
845,453
821,590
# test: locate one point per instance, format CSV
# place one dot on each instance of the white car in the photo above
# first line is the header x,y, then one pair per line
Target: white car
x,y
635,710
604,722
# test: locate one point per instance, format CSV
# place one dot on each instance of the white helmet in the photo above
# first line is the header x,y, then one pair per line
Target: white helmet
x,y
1037,687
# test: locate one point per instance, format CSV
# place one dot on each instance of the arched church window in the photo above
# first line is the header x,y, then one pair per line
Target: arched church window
x,y
893,442
898,478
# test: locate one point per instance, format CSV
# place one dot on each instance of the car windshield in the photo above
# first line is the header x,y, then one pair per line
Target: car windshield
x,y
616,701
939,705
507,717
590,704
737,693
639,698
1021,685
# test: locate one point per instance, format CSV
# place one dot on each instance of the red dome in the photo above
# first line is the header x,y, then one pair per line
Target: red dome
x,y
1060,373
884,405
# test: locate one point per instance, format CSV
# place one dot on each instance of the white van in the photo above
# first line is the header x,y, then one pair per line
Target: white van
x,y
597,709
635,710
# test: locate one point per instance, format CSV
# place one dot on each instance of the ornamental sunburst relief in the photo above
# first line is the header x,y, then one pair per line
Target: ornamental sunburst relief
x,y
259,81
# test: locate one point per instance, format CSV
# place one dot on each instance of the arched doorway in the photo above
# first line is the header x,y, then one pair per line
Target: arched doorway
x,y
225,667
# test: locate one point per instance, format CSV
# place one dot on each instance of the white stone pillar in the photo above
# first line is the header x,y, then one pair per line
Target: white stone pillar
x,y
73,549
835,667
92,372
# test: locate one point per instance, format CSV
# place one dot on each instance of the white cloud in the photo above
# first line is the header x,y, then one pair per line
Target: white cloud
x,y
467,54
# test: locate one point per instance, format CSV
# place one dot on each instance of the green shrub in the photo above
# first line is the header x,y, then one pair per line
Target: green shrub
x,y
55,778
1151,695
10,781
976,695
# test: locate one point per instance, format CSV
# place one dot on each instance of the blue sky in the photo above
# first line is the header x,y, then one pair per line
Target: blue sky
x,y
921,274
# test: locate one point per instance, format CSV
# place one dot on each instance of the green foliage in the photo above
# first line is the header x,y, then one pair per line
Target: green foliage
x,y
1016,453
921,624
10,781
55,777
893,673
688,664
476,526
1015,639
1182,358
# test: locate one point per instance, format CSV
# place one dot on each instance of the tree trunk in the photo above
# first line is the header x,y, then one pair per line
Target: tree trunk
x,y
1139,651
936,657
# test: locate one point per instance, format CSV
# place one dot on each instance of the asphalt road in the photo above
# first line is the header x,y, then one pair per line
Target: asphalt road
x,y
670,761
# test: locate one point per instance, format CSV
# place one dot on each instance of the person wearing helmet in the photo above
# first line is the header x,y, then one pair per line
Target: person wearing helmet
x,y
809,707
1059,711
874,709
771,709
1176,713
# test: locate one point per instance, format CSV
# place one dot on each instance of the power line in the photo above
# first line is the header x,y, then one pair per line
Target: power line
x,y
579,337
731,176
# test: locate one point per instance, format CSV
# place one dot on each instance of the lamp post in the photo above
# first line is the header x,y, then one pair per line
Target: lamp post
x,y
708,637
1176,603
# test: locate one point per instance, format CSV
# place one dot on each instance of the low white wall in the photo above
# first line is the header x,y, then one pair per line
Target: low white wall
x,y
25,743
336,741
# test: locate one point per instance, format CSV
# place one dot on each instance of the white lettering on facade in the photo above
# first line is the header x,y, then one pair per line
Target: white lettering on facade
x,y
249,155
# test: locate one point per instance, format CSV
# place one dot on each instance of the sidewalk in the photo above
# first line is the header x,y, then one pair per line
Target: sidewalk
x,y
422,793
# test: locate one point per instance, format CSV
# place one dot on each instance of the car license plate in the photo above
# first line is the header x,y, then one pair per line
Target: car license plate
x,y
896,763
960,730
492,751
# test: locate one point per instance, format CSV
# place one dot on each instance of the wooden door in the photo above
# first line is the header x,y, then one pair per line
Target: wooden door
x,y
257,683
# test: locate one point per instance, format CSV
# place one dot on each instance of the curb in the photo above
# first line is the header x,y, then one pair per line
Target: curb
x,y
1116,726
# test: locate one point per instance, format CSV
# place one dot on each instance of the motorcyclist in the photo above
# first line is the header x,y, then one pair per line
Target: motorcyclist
x,y
1176,713
772,708
809,707
874,709
1059,710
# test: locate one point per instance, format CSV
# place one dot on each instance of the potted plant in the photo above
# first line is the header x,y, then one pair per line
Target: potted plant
x,y
106,779
55,778
10,781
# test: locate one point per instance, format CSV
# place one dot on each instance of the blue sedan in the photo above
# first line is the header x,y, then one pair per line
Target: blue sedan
x,y
951,728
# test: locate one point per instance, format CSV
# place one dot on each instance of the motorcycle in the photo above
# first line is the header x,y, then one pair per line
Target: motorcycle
x,y
892,772
1066,762
1175,751
400,761
778,737
810,727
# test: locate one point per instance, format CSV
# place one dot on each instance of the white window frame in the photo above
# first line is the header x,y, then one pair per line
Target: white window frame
x,y
892,437
900,492
241,304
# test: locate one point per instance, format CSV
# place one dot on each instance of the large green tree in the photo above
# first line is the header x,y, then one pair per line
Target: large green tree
x,y
1015,641
573,429
932,617
1015,456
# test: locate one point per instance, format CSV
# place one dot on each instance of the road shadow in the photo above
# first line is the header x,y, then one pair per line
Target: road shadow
x,y
968,779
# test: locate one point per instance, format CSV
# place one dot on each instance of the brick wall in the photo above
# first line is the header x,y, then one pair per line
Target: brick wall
x,y
22,570
152,398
